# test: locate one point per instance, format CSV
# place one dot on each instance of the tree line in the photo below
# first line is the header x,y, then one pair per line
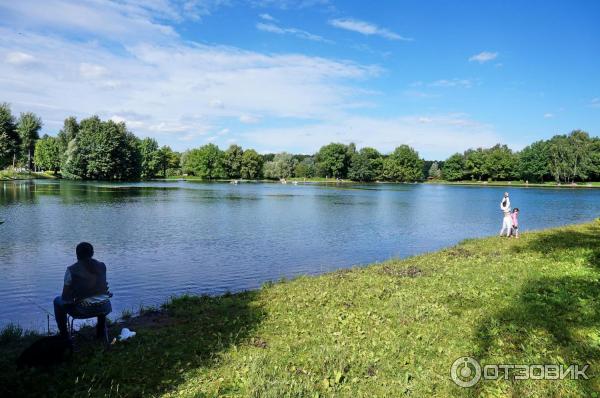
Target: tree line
x,y
563,158
106,150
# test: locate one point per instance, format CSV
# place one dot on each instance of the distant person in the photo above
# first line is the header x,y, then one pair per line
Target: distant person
x,y
515,222
85,293
506,220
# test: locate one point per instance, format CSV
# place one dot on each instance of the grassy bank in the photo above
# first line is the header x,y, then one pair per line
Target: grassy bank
x,y
549,184
387,330
7,175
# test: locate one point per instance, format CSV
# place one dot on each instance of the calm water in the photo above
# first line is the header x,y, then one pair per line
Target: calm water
x,y
164,238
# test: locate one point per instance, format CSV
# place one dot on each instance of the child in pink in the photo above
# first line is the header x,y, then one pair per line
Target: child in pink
x,y
515,222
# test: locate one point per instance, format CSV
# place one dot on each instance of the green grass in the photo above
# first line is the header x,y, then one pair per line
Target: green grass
x,y
387,330
550,184
6,175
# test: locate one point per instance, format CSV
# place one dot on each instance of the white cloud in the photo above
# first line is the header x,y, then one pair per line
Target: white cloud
x,y
196,9
216,103
267,17
366,28
595,102
548,115
131,123
124,21
19,58
184,93
249,119
302,34
419,94
465,83
484,56
91,71
289,4
179,88
434,136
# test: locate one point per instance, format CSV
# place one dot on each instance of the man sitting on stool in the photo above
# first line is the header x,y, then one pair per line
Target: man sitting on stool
x,y
85,293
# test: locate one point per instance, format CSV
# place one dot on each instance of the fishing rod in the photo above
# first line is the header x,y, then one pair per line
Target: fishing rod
x,y
48,314
40,307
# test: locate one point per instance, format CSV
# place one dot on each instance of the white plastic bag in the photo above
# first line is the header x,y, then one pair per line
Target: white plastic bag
x,y
126,334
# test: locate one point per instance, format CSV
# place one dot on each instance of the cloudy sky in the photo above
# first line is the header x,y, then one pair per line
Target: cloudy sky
x,y
296,74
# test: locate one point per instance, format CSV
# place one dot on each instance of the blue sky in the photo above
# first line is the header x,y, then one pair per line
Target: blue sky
x,y
292,75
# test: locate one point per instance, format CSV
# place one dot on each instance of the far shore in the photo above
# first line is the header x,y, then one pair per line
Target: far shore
x,y
6,175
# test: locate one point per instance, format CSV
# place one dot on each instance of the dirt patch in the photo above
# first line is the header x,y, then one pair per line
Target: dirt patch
x,y
408,272
300,371
342,273
258,342
460,252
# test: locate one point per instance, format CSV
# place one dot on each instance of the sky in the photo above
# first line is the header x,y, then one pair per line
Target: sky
x,y
293,75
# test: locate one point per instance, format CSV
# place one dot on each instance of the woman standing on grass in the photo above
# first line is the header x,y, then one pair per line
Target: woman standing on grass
x,y
507,220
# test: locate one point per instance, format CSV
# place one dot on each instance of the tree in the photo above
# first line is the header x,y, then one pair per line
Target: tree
x,y
47,154
434,171
533,162
252,165
9,138
306,168
282,166
403,165
333,160
580,145
65,136
365,165
103,151
167,160
500,163
570,156
68,132
475,163
28,127
73,164
232,161
454,168
595,159
149,153
205,162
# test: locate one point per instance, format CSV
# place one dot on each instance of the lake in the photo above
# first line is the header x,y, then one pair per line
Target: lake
x,y
160,239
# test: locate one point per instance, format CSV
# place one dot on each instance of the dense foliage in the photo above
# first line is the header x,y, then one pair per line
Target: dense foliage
x,y
9,138
562,158
96,149
48,153
103,151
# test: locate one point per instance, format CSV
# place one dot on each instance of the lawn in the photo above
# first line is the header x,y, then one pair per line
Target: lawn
x,y
13,175
386,330
548,184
